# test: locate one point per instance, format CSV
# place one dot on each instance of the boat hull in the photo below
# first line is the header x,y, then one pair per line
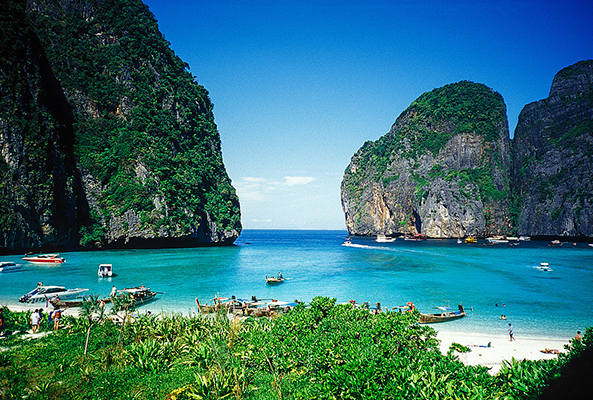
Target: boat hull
x,y
45,259
435,318
72,303
71,294
10,267
274,282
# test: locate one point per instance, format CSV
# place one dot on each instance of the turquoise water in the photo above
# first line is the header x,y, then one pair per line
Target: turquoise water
x,y
428,273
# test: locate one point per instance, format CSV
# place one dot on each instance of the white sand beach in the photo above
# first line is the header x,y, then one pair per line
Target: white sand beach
x,y
500,348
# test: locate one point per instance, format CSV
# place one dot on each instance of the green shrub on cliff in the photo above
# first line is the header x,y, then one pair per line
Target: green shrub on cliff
x,y
448,142
144,128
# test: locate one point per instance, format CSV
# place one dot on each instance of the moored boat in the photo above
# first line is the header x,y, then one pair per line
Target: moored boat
x,y
45,259
56,303
497,240
9,266
140,295
446,314
471,239
105,270
45,293
416,237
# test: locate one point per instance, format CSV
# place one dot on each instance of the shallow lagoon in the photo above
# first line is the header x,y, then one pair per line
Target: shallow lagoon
x,y
429,273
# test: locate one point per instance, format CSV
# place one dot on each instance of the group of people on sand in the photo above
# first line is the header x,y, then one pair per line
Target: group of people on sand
x,y
37,317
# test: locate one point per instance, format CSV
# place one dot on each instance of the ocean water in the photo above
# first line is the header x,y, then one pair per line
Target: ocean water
x,y
430,273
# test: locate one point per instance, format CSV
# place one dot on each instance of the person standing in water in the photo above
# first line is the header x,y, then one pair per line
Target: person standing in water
x,y
511,333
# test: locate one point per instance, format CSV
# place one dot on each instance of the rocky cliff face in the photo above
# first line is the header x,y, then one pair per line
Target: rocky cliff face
x,y
442,170
105,137
553,158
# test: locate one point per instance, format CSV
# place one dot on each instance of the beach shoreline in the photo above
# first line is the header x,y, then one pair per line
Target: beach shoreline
x,y
500,349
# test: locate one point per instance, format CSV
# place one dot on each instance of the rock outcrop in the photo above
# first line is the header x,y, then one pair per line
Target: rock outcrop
x,y
443,169
106,140
553,158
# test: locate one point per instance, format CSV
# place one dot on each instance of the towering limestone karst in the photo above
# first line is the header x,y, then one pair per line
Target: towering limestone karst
x,y
442,170
553,158
106,139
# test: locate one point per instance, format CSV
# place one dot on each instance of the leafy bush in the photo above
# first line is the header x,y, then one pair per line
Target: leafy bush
x,y
323,351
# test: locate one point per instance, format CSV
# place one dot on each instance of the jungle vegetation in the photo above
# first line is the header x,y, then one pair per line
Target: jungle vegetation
x,y
322,351
143,127
425,127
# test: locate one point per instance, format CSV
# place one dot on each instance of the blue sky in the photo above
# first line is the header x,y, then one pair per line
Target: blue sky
x,y
299,86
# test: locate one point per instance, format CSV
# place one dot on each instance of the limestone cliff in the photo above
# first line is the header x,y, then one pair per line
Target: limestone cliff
x,y
106,139
442,170
553,158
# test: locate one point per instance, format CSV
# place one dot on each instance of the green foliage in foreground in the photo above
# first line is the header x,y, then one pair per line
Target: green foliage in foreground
x,y
325,351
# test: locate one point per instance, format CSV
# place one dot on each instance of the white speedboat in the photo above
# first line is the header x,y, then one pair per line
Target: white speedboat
x,y
105,270
544,267
9,266
497,239
385,239
44,293
45,259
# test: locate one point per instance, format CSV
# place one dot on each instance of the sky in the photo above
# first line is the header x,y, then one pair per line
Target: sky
x,y
299,86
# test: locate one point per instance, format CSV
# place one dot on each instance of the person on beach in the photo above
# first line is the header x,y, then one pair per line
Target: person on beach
x,y
578,337
1,321
34,320
113,291
56,317
511,333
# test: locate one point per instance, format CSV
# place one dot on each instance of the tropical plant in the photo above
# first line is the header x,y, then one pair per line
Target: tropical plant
x,y
92,311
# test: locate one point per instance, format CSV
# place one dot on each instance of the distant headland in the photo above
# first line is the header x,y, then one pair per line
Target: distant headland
x,y
448,168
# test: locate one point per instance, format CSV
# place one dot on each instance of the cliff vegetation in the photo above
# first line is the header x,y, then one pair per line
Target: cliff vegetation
x,y
553,158
106,137
448,169
442,170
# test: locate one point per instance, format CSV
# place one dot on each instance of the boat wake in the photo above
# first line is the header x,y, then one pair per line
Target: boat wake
x,y
364,246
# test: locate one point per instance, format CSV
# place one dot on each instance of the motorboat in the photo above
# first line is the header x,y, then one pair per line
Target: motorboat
x,y
385,239
45,259
105,270
445,314
416,237
497,240
273,280
545,267
45,293
9,266
471,239
139,295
